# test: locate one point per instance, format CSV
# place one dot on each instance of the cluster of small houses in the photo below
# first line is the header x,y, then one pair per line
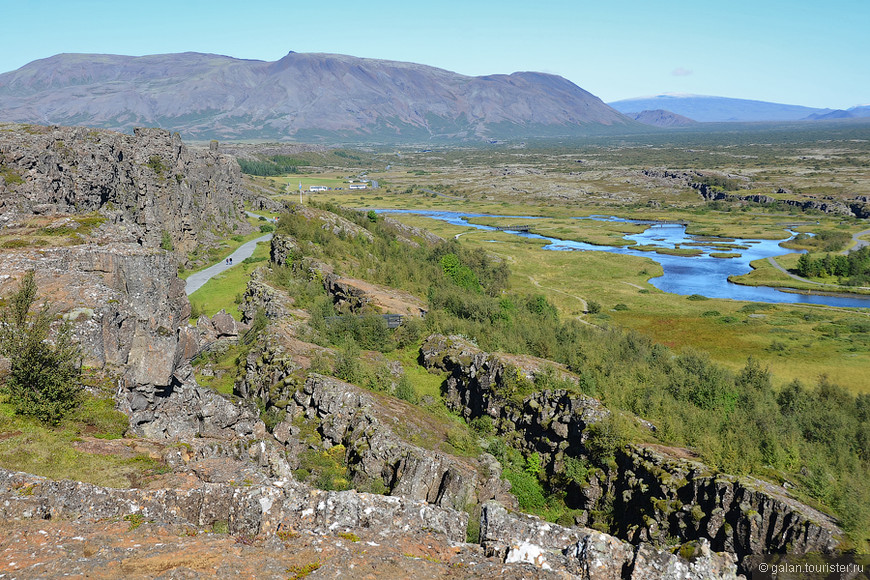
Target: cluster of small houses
x,y
353,185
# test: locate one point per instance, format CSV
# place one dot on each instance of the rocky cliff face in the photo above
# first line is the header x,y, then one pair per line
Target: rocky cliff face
x,y
130,313
653,492
149,184
125,300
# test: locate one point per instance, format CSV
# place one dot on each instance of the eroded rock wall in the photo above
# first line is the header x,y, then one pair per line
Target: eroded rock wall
x,y
148,182
592,555
256,510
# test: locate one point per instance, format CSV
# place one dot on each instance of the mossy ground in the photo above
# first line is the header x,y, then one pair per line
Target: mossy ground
x,y
28,445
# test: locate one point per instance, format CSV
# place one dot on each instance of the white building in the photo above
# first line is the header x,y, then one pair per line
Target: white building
x,y
314,188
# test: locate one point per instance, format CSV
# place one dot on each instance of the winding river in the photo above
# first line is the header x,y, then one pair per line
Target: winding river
x,y
703,274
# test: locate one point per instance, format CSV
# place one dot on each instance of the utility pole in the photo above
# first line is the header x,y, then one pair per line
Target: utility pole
x,y
300,193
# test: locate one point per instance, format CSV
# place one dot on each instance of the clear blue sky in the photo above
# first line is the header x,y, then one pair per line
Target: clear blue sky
x,y
802,52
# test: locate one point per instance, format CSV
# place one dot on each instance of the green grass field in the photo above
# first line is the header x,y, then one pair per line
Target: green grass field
x,y
290,183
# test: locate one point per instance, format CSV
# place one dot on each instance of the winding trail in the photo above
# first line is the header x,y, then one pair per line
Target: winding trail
x,y
242,253
582,301
776,265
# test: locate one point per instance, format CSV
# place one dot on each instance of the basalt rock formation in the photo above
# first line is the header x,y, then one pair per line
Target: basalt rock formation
x,y
250,510
828,206
148,184
654,492
366,425
592,555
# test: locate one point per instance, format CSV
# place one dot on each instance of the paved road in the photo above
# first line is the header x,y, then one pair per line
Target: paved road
x,y
859,243
246,250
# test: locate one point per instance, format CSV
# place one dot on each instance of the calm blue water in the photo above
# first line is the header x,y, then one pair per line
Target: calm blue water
x,y
684,275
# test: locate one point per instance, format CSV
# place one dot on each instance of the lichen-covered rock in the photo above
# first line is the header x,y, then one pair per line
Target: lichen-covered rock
x,y
742,515
592,555
284,250
260,295
249,510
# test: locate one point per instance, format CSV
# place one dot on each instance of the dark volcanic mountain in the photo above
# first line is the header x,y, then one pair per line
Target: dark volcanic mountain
x,y
302,96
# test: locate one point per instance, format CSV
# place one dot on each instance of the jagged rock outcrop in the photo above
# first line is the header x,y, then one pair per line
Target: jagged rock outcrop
x,y
130,314
149,183
219,328
355,295
662,494
188,410
408,234
284,250
260,295
331,222
830,206
654,492
362,422
592,555
248,510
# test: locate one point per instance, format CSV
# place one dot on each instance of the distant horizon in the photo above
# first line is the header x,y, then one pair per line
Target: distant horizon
x,y
771,51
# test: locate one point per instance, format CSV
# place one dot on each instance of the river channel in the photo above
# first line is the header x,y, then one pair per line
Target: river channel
x,y
703,274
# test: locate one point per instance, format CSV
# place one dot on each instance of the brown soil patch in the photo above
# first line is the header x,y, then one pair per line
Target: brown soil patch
x,y
676,452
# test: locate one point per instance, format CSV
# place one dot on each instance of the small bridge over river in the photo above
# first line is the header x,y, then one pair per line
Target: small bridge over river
x,y
513,228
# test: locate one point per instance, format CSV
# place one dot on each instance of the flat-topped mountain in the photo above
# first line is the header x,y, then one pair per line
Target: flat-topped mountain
x,y
708,109
662,118
302,96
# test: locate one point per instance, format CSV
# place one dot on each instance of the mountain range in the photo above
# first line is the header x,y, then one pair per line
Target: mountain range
x,y
301,96
707,109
